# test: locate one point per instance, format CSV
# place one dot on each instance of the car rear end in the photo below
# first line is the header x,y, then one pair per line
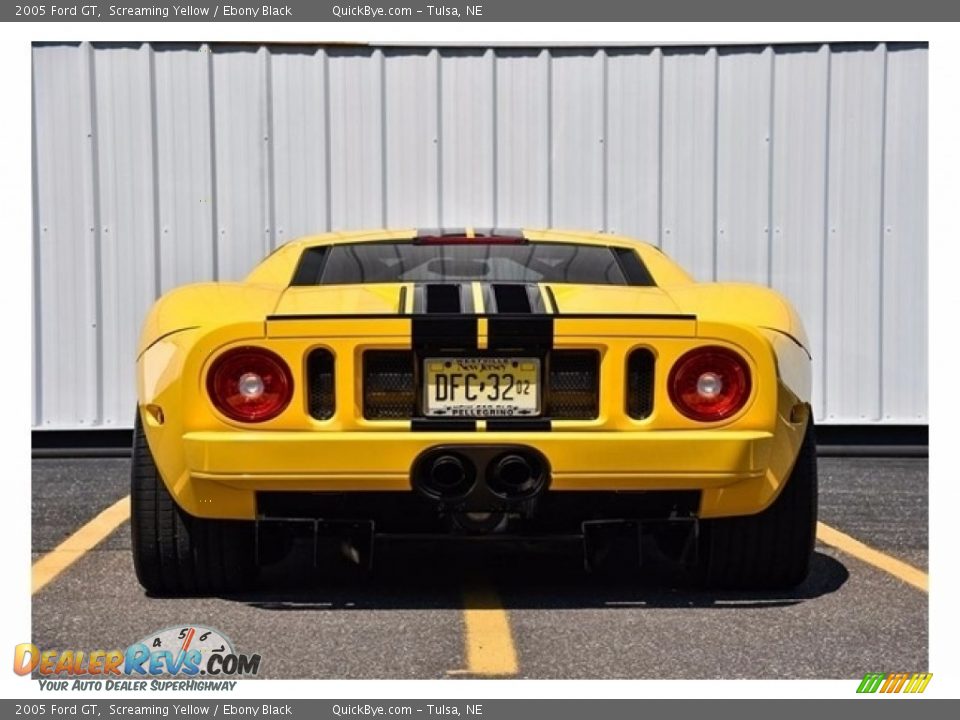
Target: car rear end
x,y
473,408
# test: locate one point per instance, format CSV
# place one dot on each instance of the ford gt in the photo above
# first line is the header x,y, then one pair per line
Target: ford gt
x,y
466,383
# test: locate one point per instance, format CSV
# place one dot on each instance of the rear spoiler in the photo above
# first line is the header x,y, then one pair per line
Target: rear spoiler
x,y
498,316
509,328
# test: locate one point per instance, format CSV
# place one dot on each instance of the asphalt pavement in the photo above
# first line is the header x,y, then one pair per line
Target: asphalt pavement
x,y
411,617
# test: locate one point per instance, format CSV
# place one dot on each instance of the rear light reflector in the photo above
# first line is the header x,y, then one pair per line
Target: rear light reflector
x,y
709,384
250,384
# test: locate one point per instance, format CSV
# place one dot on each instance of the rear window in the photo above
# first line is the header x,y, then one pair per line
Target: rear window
x,y
388,262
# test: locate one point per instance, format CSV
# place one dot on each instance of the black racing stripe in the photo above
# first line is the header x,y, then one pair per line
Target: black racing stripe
x,y
512,298
443,298
442,425
437,321
522,335
531,333
438,329
519,425
433,334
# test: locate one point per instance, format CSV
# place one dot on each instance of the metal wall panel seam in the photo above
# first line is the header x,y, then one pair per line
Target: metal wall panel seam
x,y
214,199
328,195
883,195
716,160
271,230
384,111
155,170
604,140
494,125
438,139
659,52
550,163
826,233
94,152
38,414
771,140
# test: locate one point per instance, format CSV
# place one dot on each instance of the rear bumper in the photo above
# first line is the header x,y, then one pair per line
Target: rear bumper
x,y
739,472
214,468
382,461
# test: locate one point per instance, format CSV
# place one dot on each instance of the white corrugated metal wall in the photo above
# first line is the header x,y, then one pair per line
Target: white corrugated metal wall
x,y
799,167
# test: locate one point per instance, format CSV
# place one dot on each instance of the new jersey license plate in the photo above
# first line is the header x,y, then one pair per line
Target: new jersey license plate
x,y
481,387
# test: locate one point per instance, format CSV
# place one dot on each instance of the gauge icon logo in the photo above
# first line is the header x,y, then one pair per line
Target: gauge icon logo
x,y
185,638
188,649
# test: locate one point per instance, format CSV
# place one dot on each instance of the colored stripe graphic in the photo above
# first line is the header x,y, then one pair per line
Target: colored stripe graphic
x,y
920,683
894,682
871,682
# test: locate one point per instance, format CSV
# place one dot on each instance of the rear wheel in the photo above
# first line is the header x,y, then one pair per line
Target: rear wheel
x,y
175,553
770,550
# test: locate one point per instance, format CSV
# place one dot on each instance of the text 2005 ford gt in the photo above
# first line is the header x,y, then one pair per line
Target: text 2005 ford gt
x,y
472,382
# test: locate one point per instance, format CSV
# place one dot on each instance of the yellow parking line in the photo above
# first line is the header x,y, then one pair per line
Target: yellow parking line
x,y
47,568
852,546
489,643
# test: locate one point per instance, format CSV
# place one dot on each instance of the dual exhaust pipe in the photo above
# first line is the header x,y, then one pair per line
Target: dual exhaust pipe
x,y
480,477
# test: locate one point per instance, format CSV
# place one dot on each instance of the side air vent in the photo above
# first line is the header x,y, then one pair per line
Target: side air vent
x,y
322,400
574,385
640,384
388,386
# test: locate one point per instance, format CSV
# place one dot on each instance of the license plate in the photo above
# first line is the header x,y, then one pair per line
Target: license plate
x,y
481,387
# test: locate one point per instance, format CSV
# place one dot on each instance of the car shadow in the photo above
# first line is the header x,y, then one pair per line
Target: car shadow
x,y
412,575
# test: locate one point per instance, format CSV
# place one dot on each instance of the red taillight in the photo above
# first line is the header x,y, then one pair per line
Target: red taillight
x,y
709,384
250,384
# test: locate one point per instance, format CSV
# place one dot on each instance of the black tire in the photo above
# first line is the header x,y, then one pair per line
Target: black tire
x,y
175,553
770,550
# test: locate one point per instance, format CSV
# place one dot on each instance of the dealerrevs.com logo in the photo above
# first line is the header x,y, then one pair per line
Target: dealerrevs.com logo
x,y
186,657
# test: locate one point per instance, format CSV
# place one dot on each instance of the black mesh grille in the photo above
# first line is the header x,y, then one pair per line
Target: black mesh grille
x,y
388,392
574,385
640,384
320,382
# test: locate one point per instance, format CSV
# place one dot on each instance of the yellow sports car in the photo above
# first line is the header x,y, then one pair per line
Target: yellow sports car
x,y
472,382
